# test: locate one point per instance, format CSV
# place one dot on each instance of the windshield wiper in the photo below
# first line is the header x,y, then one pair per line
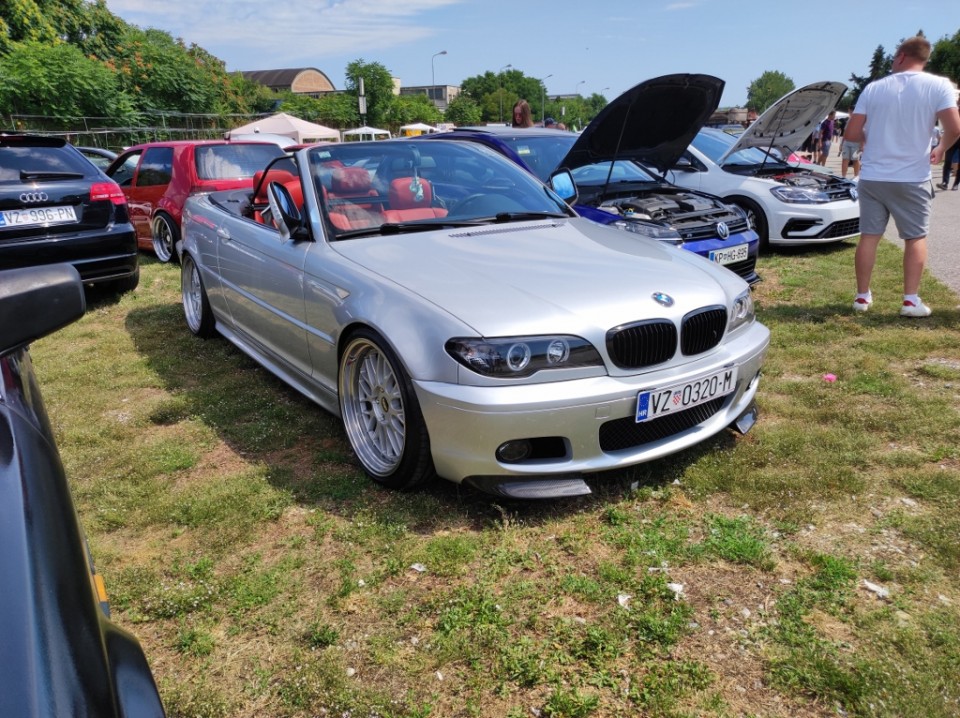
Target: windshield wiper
x,y
401,227
45,174
520,216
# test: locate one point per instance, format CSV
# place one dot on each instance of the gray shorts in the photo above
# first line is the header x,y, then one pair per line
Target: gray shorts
x,y
850,151
908,202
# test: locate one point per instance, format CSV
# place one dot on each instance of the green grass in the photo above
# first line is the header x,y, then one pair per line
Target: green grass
x,y
265,575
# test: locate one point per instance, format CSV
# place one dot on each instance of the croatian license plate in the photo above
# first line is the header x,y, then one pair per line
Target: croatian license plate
x,y
656,403
729,255
36,216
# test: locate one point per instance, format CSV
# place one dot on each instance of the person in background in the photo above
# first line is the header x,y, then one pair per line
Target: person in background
x,y
826,137
951,161
894,119
550,123
522,117
849,155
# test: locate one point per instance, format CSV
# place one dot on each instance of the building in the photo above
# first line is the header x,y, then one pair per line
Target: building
x,y
301,80
440,95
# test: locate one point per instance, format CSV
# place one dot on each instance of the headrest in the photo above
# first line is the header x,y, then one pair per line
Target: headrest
x,y
350,181
409,193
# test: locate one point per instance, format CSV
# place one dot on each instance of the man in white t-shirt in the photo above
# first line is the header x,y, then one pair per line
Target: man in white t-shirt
x,y
895,117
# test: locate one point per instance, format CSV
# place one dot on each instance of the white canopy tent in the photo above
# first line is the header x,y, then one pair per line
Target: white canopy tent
x,y
365,133
299,131
417,128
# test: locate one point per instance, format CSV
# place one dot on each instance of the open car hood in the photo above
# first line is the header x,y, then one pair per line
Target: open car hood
x,y
791,119
651,123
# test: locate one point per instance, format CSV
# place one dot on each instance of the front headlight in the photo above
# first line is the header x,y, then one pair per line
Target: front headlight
x,y
517,357
800,195
654,231
741,312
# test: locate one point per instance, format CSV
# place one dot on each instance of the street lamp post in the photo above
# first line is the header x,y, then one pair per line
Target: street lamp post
x,y
576,90
543,100
500,73
433,72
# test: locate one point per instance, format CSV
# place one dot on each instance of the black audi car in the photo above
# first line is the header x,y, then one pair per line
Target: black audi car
x,y
57,206
60,654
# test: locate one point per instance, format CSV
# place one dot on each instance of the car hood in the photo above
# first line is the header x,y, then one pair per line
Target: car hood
x,y
791,119
651,123
550,276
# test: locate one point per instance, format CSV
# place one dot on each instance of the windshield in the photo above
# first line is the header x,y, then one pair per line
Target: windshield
x,y
623,171
542,154
411,185
714,144
236,161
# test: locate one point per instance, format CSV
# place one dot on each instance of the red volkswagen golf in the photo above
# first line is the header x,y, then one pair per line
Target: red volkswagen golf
x,y
157,178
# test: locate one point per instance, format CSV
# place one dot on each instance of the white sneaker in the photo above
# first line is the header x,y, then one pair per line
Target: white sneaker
x,y
909,309
861,305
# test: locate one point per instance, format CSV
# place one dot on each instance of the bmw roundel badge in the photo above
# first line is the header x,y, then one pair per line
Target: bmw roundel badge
x,y
723,231
662,299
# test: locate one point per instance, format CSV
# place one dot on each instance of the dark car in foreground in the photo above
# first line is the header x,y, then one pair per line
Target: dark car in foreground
x,y
157,178
613,161
56,206
60,654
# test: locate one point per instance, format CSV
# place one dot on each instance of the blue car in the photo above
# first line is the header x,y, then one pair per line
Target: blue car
x,y
615,162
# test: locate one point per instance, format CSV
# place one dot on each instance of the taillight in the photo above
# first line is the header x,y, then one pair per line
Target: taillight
x,y
100,191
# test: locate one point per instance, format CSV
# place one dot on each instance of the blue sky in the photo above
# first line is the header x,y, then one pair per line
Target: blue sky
x,y
604,46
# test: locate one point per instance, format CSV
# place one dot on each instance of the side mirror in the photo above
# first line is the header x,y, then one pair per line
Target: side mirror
x,y
51,295
683,164
286,215
562,183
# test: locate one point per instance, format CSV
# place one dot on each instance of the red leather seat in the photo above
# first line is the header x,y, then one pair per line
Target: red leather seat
x,y
350,183
281,176
287,179
348,199
410,199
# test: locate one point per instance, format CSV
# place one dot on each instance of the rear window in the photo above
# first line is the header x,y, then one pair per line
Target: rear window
x,y
37,156
234,161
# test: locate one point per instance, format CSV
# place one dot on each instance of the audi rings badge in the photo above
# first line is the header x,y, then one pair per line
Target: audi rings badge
x,y
28,197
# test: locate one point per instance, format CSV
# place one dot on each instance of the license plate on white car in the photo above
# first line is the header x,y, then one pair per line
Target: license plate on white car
x,y
656,403
37,216
729,255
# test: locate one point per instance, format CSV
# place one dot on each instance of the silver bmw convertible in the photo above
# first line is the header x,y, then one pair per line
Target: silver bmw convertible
x,y
464,322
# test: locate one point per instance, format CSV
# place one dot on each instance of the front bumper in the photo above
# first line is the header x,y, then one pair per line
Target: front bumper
x,y
576,420
815,224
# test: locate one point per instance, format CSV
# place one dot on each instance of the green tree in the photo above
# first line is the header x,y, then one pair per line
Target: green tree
x,y
463,111
496,93
408,109
377,87
767,89
880,65
945,57
24,21
59,80
162,74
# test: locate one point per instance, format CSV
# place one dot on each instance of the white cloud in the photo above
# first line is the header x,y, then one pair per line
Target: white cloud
x,y
249,34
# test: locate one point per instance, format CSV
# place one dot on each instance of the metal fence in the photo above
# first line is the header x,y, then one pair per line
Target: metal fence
x,y
154,126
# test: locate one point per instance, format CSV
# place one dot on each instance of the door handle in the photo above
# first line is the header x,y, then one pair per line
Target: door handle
x,y
223,233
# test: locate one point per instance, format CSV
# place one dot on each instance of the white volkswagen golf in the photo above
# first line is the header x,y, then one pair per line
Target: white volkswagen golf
x,y
789,203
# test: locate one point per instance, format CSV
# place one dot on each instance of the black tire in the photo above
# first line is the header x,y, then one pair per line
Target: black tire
x,y
756,217
166,234
381,415
196,305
